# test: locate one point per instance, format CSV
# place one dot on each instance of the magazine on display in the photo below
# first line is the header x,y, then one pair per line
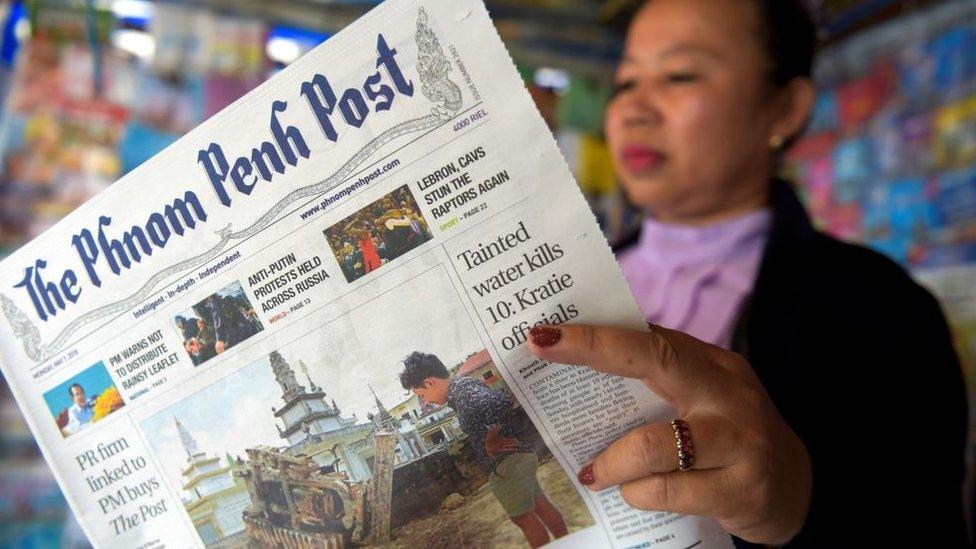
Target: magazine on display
x,y
304,324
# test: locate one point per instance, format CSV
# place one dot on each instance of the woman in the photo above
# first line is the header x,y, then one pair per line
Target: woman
x,y
840,421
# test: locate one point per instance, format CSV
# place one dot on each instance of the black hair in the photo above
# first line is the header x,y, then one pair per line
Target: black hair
x,y
418,367
789,37
73,385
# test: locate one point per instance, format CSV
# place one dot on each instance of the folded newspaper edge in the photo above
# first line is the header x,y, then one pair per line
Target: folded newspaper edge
x,y
304,323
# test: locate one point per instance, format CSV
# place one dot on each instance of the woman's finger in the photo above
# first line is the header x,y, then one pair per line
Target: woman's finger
x,y
653,449
706,493
673,363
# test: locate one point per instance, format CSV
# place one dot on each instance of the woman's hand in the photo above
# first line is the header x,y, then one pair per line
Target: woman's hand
x,y
497,443
751,472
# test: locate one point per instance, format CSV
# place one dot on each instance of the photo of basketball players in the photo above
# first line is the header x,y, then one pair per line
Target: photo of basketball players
x,y
378,234
223,319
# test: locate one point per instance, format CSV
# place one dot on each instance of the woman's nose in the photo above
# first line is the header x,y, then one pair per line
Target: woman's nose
x,y
639,106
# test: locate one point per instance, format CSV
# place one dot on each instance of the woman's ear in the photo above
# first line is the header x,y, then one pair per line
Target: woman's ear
x,y
797,99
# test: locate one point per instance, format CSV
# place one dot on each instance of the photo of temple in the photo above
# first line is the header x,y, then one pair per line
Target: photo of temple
x,y
324,456
324,445
213,496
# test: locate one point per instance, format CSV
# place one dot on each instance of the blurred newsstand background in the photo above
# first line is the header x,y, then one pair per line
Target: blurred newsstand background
x,y
90,89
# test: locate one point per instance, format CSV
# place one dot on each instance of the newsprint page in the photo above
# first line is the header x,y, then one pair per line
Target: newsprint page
x,y
214,351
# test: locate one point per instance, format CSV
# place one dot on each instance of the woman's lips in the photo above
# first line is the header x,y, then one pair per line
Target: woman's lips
x,y
642,159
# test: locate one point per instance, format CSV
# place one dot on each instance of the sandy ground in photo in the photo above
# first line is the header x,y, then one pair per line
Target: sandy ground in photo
x,y
481,522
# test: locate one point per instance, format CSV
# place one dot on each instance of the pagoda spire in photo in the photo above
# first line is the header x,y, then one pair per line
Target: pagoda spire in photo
x,y
383,417
213,497
305,412
315,428
189,443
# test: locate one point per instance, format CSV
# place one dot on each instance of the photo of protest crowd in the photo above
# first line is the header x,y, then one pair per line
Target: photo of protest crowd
x,y
223,319
83,399
378,233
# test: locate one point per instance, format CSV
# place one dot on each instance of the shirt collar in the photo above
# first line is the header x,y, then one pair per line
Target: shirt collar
x,y
676,246
452,392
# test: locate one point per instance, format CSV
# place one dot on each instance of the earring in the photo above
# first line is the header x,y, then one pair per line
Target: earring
x,y
776,141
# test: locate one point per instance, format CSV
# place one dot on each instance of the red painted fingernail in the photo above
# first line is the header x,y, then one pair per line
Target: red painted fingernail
x,y
545,336
586,476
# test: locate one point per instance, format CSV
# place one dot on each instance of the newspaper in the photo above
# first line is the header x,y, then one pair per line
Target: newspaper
x,y
218,350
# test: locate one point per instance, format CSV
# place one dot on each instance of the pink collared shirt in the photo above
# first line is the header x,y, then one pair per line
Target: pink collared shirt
x,y
695,279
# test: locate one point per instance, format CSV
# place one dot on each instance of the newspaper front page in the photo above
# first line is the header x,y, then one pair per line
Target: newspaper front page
x,y
217,350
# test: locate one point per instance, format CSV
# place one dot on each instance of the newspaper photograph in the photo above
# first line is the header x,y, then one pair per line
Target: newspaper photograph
x,y
377,234
304,323
218,322
442,457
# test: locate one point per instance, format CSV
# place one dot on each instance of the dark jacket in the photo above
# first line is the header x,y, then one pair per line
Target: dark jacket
x,y
859,361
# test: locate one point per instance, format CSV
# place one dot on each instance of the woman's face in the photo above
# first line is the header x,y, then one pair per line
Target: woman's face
x,y
693,113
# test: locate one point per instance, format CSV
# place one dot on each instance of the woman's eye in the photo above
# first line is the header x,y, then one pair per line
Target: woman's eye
x,y
621,87
682,77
